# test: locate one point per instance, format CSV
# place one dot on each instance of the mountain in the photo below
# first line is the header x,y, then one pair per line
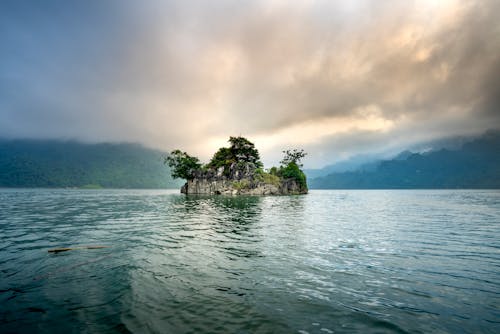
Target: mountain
x,y
371,161
51,163
362,161
475,165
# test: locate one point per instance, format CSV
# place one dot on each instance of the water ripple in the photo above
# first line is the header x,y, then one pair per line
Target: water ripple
x,y
331,261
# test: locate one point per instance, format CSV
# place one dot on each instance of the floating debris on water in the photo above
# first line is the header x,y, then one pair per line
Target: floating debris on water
x,y
58,250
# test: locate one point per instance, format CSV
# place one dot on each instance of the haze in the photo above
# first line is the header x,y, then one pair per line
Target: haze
x,y
337,78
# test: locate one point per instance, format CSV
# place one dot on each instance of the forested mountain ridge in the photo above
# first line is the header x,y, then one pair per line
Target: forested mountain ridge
x,y
475,165
52,163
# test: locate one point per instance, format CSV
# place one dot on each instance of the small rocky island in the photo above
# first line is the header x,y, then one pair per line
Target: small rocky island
x,y
237,170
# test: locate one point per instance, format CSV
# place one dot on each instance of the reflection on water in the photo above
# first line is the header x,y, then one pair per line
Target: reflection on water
x,y
331,261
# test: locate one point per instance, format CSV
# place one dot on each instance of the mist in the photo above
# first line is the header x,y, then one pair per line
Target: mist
x,y
336,78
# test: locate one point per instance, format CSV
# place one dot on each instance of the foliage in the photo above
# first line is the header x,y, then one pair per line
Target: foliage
x,y
294,156
261,176
241,151
241,155
274,171
245,151
290,167
52,163
222,157
239,185
292,171
182,164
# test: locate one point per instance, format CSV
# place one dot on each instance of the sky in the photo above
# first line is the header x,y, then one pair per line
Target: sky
x,y
336,78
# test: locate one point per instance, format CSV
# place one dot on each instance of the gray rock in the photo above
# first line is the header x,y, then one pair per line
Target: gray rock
x,y
239,179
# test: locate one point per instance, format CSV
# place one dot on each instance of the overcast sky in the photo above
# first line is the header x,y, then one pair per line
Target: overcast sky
x,y
337,78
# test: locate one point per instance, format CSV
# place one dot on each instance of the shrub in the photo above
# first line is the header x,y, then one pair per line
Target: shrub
x,y
261,176
292,171
272,179
243,184
274,171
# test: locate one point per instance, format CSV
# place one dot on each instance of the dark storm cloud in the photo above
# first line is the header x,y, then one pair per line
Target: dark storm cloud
x,y
335,77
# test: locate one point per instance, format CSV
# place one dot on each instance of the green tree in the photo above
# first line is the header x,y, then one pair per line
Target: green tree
x,y
240,151
292,171
182,164
291,165
245,151
294,156
223,157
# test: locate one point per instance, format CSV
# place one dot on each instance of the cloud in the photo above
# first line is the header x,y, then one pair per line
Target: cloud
x,y
337,78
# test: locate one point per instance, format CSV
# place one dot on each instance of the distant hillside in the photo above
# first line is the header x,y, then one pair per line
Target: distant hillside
x,y
35,163
369,162
364,161
475,165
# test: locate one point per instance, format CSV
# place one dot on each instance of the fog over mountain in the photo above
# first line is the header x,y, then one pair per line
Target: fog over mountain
x,y
61,164
475,164
369,162
337,78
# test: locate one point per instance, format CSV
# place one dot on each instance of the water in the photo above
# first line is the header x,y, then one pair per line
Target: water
x,y
327,262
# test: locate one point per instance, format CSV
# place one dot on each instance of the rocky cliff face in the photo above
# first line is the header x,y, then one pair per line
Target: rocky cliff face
x,y
228,187
239,179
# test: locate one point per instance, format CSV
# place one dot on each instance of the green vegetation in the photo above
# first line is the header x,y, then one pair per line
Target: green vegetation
x,y
292,171
239,185
242,156
290,167
241,151
51,163
182,165
293,156
239,154
223,157
261,176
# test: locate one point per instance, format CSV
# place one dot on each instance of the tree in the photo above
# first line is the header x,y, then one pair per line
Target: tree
x,y
222,157
182,164
240,151
294,156
244,151
292,171
291,165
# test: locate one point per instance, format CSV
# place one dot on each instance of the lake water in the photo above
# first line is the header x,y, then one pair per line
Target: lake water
x,y
328,262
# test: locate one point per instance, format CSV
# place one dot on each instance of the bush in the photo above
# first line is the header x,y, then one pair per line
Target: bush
x,y
274,171
261,176
243,184
272,179
292,171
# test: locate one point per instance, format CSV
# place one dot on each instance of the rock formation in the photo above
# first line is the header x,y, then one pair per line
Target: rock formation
x,y
237,170
240,182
